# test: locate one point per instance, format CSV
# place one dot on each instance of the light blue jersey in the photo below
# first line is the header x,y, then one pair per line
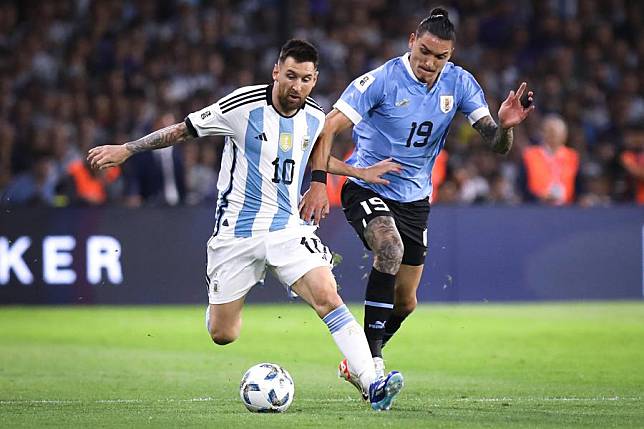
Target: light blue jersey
x,y
396,116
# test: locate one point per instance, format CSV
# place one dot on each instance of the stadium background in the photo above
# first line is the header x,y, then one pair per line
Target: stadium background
x,y
76,74
79,73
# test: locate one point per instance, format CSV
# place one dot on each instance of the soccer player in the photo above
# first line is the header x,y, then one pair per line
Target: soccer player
x,y
403,110
270,131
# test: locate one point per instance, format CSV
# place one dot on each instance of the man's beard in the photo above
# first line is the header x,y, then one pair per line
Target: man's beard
x,y
287,104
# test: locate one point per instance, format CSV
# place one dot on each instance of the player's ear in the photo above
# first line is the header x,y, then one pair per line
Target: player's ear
x,y
276,71
412,39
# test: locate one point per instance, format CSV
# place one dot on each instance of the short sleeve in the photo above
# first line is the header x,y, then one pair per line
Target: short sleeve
x,y
472,103
362,95
209,121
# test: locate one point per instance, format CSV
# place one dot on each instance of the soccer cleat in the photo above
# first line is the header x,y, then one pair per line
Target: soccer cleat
x,y
383,391
344,373
379,364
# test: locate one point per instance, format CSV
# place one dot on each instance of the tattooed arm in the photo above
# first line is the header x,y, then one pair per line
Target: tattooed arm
x,y
107,156
511,113
499,139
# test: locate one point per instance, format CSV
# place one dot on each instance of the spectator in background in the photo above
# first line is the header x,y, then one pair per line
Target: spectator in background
x,y
95,67
156,177
35,187
201,162
632,159
551,168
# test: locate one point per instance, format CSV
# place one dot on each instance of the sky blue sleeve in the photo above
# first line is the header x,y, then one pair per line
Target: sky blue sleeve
x,y
362,95
472,103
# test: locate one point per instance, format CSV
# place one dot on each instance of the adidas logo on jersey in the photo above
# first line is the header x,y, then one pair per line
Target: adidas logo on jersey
x,y
262,137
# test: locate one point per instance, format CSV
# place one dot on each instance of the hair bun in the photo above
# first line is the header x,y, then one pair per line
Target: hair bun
x,y
438,12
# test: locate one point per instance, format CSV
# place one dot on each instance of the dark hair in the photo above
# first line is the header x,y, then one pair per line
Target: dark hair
x,y
438,24
300,50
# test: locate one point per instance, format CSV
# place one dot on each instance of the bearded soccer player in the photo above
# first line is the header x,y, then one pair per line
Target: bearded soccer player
x,y
402,110
270,131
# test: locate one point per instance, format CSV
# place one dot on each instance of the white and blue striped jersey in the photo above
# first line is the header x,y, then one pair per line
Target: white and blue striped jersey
x,y
263,162
395,115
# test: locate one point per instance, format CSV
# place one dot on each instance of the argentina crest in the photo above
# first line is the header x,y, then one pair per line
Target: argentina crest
x,y
446,103
286,141
305,141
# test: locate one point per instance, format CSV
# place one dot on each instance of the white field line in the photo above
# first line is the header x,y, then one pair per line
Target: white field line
x,y
348,399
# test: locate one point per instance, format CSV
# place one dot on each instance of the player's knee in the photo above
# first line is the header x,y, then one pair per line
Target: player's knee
x,y
327,301
406,306
222,337
388,256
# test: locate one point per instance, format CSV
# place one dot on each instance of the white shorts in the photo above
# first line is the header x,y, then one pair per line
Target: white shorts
x,y
237,264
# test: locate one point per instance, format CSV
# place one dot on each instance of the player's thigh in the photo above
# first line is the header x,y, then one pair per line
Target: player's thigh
x,y
411,222
235,265
302,263
225,318
318,288
361,206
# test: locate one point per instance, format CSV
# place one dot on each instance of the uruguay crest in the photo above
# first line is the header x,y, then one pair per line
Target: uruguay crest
x,y
286,141
446,103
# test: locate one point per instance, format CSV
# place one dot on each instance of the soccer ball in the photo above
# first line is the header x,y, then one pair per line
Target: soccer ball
x,y
267,388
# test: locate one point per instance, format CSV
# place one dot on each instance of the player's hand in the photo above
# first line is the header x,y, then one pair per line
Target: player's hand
x,y
512,112
374,173
101,157
315,203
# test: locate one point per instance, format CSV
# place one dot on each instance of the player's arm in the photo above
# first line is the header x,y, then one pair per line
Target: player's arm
x,y
315,202
336,122
511,113
107,156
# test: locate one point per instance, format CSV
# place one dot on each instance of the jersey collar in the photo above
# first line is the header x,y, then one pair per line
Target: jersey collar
x,y
405,60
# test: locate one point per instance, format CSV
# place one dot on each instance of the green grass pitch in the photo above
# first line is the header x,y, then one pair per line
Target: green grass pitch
x,y
470,366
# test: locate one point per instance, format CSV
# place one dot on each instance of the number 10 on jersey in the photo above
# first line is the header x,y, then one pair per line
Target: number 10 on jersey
x,y
285,173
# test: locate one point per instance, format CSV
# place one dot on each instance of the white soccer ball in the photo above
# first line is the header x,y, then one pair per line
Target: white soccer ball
x,y
267,388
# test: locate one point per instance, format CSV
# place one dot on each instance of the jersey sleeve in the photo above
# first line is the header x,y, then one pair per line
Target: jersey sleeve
x,y
362,95
209,121
472,103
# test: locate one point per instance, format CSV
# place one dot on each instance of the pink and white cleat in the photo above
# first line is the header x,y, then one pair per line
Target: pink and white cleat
x,y
344,373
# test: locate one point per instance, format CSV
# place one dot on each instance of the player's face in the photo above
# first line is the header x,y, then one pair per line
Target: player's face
x,y
428,56
293,82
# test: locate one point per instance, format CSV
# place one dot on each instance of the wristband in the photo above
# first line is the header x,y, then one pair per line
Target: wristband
x,y
318,176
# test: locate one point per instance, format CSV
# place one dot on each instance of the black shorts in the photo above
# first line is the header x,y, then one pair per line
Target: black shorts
x,y
361,205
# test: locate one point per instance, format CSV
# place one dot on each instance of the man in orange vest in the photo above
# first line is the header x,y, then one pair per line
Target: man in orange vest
x,y
551,168
632,159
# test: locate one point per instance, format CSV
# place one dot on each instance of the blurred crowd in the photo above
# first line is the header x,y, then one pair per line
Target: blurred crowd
x,y
75,74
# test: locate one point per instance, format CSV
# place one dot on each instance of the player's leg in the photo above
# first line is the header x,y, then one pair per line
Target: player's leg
x,y
308,273
373,220
224,321
318,288
411,219
234,266
407,281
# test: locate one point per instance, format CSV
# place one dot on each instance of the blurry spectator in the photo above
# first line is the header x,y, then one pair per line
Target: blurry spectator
x,y
201,172
156,177
551,168
35,187
632,159
86,186
439,173
75,74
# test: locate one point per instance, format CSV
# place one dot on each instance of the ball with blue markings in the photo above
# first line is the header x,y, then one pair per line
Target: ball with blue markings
x,y
267,388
